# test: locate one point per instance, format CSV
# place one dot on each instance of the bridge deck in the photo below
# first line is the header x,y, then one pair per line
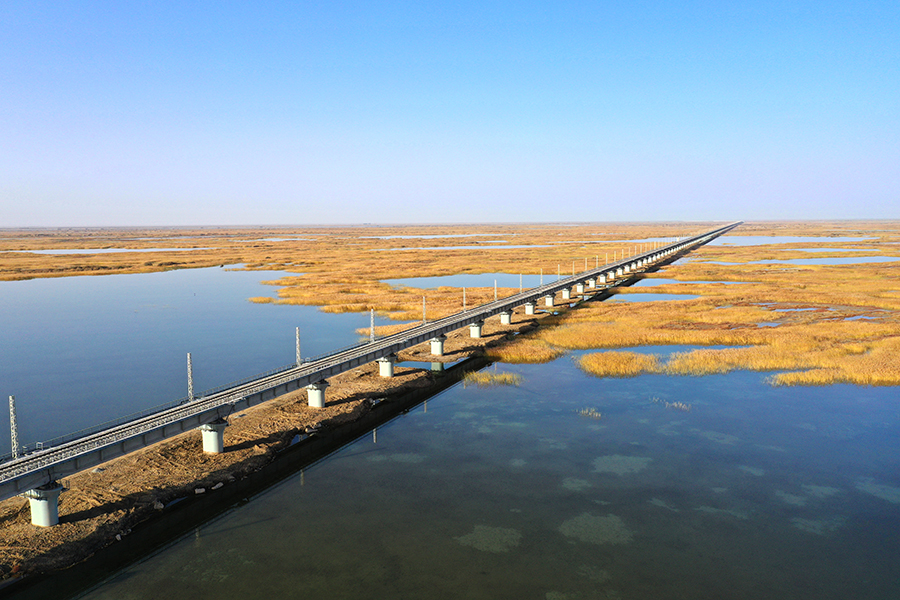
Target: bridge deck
x,y
49,464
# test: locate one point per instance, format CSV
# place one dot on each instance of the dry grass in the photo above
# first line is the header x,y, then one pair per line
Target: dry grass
x,y
618,364
342,269
526,349
485,379
812,343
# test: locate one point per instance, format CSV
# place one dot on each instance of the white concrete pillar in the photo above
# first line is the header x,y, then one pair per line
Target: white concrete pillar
x,y
579,288
610,277
475,329
506,318
316,394
566,294
386,365
592,282
626,269
620,272
437,345
213,436
548,300
529,308
44,504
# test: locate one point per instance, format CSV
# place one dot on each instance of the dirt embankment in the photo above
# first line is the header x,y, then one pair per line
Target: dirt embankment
x,y
102,506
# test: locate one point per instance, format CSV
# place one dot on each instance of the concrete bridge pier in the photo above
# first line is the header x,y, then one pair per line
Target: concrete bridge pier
x,y
529,308
566,294
506,318
386,365
475,329
316,394
437,345
44,504
592,282
610,276
548,301
214,436
620,272
579,288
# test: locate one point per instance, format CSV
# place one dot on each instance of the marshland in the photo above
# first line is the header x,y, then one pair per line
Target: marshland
x,y
745,432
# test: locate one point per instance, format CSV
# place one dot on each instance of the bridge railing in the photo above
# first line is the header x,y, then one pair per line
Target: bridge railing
x,y
328,355
74,435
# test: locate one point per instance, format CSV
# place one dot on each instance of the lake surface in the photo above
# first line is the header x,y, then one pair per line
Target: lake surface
x,y
761,240
757,492
80,351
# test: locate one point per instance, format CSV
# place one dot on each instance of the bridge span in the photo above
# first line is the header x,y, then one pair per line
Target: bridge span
x,y
36,474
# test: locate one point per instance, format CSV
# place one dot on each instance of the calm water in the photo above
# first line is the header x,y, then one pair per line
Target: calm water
x,y
79,351
761,240
756,492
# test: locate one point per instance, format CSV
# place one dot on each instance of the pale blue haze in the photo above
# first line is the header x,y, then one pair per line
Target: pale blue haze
x,y
117,113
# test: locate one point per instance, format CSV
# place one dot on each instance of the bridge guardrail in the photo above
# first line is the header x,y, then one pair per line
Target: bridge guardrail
x,y
378,344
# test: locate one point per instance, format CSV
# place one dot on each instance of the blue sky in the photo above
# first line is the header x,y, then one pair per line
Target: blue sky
x,y
231,113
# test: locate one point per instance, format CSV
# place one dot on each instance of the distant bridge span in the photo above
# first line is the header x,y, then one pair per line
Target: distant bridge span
x,y
36,474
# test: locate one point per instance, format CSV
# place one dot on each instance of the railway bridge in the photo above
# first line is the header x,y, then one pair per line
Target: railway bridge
x,y
36,474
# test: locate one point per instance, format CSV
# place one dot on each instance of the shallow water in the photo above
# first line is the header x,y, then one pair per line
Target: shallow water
x,y
761,240
80,351
756,492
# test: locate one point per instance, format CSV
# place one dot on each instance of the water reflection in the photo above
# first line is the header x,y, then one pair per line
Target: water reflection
x,y
80,351
509,492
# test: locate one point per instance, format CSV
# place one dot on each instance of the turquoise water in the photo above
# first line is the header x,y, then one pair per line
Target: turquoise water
x,y
756,492
80,351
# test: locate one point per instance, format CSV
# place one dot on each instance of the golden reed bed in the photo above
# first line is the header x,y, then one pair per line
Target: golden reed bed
x,y
341,270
